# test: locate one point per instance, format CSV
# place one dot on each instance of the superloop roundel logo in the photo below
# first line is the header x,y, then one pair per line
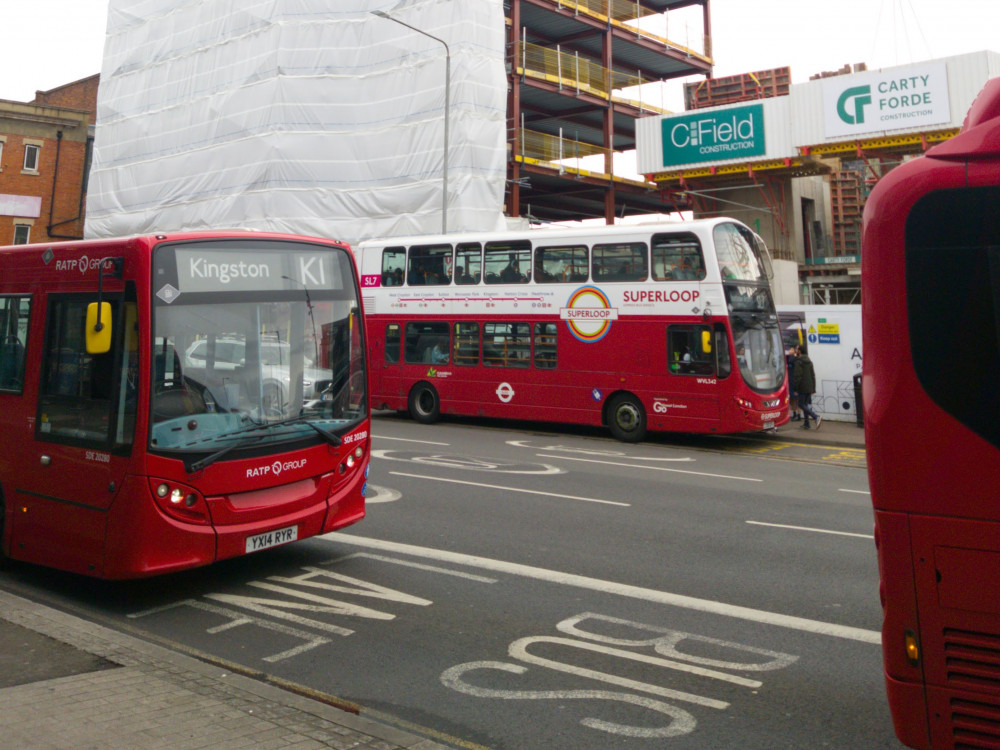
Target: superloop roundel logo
x,y
588,314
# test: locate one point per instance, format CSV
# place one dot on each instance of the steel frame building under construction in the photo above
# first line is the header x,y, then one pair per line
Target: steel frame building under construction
x,y
573,68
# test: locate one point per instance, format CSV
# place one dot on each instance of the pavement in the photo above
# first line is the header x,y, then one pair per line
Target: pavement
x,y
67,683
841,434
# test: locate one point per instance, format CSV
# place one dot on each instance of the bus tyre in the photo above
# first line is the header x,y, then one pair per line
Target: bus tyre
x,y
424,404
627,418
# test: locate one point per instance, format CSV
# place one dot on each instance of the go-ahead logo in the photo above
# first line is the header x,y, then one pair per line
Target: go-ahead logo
x,y
857,99
588,313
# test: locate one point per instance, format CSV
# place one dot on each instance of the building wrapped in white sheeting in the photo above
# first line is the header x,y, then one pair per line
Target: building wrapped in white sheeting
x,y
307,116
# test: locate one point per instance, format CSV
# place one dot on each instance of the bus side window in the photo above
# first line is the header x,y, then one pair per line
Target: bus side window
x,y
561,264
393,261
686,350
421,341
545,345
508,262
468,263
466,351
677,257
506,345
14,313
430,264
75,401
393,340
620,262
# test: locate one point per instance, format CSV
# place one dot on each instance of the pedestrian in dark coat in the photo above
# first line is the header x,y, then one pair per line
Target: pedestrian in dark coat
x,y
793,397
805,386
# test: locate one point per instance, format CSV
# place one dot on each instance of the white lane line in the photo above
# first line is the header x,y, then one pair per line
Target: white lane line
x,y
511,489
856,492
815,531
652,468
408,440
620,589
418,566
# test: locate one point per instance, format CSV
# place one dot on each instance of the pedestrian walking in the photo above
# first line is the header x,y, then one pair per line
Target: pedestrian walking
x,y
805,386
793,398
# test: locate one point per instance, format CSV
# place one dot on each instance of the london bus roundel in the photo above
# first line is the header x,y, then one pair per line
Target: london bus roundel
x,y
588,314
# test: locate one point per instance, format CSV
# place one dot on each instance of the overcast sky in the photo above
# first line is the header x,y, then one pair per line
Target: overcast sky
x,y
51,42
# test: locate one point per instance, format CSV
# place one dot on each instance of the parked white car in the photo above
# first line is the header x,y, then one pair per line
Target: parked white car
x,y
275,378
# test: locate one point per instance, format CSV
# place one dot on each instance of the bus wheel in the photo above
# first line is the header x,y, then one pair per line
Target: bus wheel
x,y
425,406
627,418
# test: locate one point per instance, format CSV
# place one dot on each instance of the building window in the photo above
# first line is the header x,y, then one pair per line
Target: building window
x,y
31,153
22,234
3,140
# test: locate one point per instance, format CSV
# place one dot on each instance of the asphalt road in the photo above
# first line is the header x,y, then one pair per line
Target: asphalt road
x,y
519,588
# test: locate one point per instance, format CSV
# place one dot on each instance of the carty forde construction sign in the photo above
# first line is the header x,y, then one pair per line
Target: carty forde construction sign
x,y
897,98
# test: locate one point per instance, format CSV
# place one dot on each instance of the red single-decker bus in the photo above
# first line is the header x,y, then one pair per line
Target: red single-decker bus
x,y
173,400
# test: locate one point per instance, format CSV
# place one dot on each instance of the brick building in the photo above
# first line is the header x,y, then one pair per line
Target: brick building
x,y
45,154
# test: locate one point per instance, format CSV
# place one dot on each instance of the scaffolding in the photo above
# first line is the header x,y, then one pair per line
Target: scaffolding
x,y
582,75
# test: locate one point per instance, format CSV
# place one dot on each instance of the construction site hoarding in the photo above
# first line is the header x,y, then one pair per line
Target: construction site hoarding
x,y
300,115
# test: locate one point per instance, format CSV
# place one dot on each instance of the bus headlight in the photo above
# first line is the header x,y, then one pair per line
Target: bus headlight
x,y
180,502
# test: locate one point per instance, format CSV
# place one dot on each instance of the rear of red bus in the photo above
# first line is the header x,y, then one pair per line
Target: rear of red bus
x,y
228,415
931,386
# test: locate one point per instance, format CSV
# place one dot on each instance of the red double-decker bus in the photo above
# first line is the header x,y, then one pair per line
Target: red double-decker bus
x,y
931,387
667,326
168,401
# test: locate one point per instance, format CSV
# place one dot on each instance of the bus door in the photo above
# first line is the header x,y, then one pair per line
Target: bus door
x,y
386,375
697,359
83,431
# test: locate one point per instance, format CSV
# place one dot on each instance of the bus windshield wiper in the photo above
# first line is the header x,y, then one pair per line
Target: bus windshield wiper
x,y
325,434
211,458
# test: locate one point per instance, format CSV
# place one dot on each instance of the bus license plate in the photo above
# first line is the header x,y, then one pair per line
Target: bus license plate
x,y
272,538
768,425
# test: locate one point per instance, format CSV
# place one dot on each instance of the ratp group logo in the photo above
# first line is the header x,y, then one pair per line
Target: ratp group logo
x,y
588,314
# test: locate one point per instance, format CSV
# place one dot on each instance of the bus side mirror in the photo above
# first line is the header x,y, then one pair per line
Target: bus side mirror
x,y
706,342
98,327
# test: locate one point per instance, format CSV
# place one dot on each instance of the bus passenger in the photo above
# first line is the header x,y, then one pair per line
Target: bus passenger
x,y
511,273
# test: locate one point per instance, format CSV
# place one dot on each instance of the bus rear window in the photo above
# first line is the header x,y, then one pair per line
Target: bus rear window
x,y
952,278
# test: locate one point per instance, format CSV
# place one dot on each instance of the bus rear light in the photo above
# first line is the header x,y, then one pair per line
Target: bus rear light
x,y
179,501
912,647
